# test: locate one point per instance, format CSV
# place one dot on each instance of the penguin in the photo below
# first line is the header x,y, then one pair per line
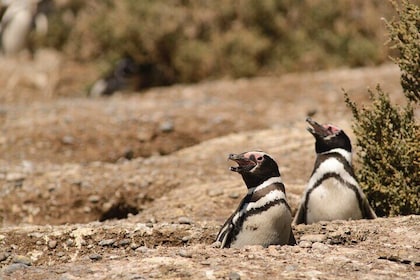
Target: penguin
x,y
332,192
19,18
263,217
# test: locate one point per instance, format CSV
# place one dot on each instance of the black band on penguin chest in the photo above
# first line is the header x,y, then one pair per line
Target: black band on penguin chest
x,y
254,197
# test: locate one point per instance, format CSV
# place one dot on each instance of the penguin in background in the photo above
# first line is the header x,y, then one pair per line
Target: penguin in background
x,y
263,217
332,192
18,20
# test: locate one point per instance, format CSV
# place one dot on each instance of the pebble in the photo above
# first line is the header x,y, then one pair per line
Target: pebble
x,y
67,140
124,242
186,238
22,259
234,195
184,221
142,249
61,254
52,244
10,177
167,126
234,276
320,246
305,244
106,242
69,242
95,257
215,192
94,198
14,267
185,253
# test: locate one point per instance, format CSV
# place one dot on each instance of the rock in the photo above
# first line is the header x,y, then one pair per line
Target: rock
x,y
320,246
184,221
234,276
95,257
215,192
305,244
167,126
52,244
94,198
67,140
11,177
14,267
106,242
22,259
185,253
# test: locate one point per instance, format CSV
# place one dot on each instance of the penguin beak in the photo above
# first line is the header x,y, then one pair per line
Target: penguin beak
x,y
244,164
317,129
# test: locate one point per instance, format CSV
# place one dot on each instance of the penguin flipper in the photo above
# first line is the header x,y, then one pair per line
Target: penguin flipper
x,y
300,215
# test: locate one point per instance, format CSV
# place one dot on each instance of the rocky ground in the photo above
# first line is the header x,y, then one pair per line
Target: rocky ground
x,y
72,167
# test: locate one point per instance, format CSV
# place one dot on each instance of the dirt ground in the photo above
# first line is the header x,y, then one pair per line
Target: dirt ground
x,y
73,166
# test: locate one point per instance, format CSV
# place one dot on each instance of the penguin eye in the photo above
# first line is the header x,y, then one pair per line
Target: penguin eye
x,y
259,158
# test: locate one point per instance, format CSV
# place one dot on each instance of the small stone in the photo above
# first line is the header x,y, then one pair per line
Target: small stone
x,y
106,242
38,242
305,244
124,242
184,221
94,198
61,254
22,259
69,242
234,276
186,238
167,126
11,177
234,195
95,257
52,244
215,192
320,246
142,249
185,253
134,246
67,140
14,267
313,237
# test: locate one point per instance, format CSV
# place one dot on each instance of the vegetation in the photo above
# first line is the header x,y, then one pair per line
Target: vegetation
x,y
388,137
195,40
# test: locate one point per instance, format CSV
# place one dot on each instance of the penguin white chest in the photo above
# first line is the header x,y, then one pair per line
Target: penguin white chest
x,y
269,227
332,201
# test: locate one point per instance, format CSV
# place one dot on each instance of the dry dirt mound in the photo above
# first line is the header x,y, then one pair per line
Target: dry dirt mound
x,y
159,158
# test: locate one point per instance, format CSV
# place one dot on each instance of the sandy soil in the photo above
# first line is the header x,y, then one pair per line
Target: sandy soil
x,y
71,165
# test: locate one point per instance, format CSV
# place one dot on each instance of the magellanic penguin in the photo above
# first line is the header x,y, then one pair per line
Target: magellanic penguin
x,y
263,216
333,192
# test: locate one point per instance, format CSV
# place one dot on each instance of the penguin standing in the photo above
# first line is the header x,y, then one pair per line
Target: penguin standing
x,y
333,192
263,216
17,22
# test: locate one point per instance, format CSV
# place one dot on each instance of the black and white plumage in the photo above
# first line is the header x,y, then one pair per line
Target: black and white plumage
x,y
263,216
20,17
333,192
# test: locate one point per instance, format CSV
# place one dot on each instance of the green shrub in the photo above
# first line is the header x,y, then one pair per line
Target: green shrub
x,y
388,137
388,141
405,35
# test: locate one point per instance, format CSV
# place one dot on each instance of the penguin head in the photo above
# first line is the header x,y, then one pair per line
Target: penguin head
x,y
328,137
255,167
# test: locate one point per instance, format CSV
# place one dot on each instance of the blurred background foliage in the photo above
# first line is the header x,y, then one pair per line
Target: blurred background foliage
x,y
192,40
